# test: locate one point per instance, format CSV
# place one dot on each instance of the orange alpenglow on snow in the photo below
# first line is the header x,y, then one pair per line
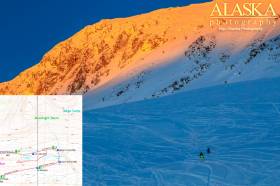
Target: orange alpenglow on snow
x,y
111,49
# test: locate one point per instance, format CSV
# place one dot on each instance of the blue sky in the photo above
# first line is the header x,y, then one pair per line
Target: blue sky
x,y
30,28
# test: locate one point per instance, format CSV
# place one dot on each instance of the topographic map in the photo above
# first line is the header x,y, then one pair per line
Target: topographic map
x,y
41,140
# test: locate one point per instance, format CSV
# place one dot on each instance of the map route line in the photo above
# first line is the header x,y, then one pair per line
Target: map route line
x,y
21,170
31,160
44,151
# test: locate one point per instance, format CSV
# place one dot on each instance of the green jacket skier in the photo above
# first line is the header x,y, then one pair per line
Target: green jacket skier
x,y
201,156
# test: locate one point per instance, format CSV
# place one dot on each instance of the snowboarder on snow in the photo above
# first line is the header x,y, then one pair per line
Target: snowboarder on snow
x,y
201,156
208,150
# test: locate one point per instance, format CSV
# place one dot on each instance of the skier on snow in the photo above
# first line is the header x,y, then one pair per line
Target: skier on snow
x,y
208,150
201,156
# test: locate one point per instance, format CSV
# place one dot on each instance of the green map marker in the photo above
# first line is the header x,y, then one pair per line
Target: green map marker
x,y
39,168
54,147
2,177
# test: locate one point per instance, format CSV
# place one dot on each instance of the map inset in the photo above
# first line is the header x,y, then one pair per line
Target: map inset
x,y
41,140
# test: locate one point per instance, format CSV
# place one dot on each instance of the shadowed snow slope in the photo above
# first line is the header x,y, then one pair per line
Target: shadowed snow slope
x,y
157,142
207,62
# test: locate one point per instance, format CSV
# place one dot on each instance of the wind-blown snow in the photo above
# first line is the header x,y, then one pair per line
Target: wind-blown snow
x,y
157,142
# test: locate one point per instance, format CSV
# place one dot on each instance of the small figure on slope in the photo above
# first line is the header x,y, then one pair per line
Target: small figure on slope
x,y
201,156
208,150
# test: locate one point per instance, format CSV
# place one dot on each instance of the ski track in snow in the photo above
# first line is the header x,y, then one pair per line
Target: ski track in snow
x,y
158,143
276,107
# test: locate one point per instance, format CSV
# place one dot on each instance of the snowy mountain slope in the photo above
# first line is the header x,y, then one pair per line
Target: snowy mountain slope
x,y
151,55
157,142
100,52
206,62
